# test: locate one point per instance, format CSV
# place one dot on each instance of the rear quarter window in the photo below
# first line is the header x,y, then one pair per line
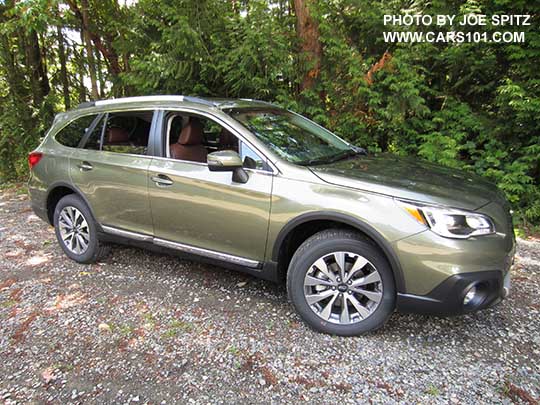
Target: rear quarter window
x,y
72,134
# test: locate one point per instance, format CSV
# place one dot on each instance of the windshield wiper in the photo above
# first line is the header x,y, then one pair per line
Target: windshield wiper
x,y
354,151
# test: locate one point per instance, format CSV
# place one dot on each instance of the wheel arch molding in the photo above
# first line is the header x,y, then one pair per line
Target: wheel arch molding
x,y
350,222
58,185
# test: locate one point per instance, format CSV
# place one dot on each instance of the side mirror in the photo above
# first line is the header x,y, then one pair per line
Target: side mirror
x,y
224,161
228,161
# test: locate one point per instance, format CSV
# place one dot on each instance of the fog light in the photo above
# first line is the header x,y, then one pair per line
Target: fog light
x,y
470,296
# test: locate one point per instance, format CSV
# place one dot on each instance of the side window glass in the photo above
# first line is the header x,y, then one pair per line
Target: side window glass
x,y
73,133
250,158
211,131
127,132
93,139
187,138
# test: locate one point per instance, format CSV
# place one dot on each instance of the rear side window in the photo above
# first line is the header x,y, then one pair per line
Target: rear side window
x,y
127,132
72,134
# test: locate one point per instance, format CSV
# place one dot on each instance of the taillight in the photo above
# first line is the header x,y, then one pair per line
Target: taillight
x,y
34,158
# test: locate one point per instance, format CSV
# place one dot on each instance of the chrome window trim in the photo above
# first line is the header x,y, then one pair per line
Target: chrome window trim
x,y
120,154
213,254
180,160
266,172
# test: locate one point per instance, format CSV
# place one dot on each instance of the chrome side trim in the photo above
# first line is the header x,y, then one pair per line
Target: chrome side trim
x,y
207,253
242,261
127,234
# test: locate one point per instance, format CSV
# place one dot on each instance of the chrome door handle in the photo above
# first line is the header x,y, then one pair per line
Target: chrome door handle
x,y
85,166
161,180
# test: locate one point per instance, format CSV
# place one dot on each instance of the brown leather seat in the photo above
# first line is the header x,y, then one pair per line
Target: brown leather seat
x,y
117,136
189,145
227,141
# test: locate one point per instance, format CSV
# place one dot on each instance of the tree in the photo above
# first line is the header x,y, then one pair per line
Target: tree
x,y
63,66
85,29
307,29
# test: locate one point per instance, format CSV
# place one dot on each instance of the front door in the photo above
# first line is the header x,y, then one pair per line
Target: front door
x,y
207,212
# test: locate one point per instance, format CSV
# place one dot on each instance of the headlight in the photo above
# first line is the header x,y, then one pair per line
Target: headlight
x,y
449,222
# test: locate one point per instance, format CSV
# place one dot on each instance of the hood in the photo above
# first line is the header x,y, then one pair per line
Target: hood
x,y
411,179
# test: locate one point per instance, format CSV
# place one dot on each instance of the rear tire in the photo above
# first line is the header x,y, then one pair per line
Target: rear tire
x,y
341,284
76,230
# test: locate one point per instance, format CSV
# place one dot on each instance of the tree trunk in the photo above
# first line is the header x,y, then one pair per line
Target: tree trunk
x,y
101,78
307,30
63,67
89,50
103,45
80,65
39,81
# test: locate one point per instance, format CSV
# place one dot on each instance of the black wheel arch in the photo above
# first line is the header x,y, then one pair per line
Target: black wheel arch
x,y
59,189
350,222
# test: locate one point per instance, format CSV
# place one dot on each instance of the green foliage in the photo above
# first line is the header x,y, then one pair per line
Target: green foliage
x,y
472,106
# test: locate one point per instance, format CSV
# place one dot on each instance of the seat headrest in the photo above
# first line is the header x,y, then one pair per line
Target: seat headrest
x,y
226,139
117,135
192,133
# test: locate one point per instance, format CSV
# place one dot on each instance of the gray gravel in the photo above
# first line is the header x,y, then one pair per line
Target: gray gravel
x,y
144,328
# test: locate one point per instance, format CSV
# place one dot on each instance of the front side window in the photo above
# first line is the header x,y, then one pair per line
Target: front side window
x,y
292,137
72,134
250,158
192,138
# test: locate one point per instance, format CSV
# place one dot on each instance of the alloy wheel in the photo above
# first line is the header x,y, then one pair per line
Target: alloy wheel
x,y
74,230
343,288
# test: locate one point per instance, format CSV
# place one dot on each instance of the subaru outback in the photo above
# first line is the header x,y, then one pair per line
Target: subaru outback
x,y
251,186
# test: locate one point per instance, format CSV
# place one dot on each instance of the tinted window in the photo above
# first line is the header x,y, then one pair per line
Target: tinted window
x,y
127,132
72,134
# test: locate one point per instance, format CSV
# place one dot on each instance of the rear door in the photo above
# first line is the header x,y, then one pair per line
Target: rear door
x,y
111,167
207,212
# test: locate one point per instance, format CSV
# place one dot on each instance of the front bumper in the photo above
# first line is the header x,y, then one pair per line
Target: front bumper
x,y
447,298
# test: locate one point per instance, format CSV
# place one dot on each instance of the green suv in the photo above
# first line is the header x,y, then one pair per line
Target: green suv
x,y
253,187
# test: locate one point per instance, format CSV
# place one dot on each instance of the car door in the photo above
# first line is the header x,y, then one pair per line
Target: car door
x,y
111,170
207,212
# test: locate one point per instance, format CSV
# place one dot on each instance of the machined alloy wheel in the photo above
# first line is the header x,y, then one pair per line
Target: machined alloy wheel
x,y
341,283
74,230
343,287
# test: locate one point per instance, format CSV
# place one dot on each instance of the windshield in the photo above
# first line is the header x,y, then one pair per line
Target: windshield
x,y
292,137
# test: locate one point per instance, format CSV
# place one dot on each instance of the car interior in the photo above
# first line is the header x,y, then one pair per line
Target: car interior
x,y
128,132
192,138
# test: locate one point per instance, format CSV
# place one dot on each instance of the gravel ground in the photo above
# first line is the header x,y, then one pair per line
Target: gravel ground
x,y
144,328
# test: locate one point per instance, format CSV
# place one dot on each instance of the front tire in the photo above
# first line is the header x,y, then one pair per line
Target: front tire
x,y
76,230
341,284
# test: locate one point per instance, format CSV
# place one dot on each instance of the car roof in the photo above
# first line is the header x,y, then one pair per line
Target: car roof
x,y
221,103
